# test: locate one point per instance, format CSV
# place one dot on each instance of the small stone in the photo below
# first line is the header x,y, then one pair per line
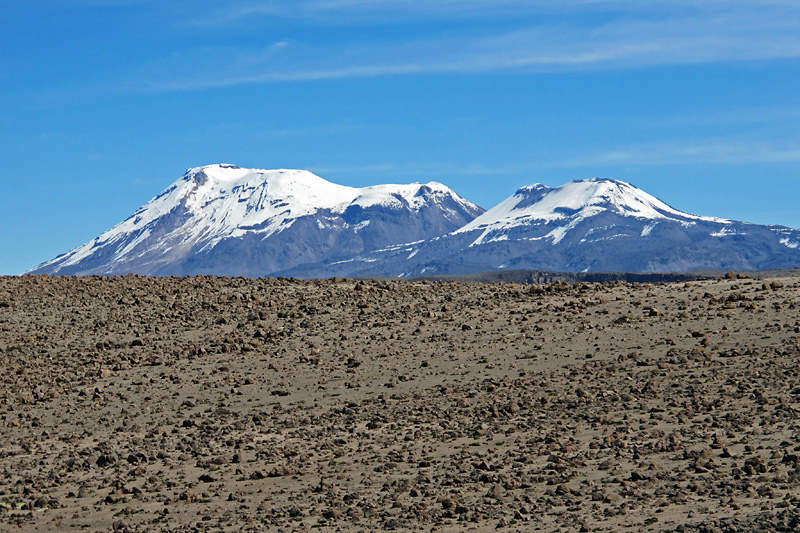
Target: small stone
x,y
332,514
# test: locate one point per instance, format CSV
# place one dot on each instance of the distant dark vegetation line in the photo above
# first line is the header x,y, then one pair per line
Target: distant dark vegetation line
x,y
526,276
539,276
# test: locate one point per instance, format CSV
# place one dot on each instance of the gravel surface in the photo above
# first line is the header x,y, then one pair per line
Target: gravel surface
x,y
228,404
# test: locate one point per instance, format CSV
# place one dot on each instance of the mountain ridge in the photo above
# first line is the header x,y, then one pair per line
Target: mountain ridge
x,y
226,220
225,208
593,225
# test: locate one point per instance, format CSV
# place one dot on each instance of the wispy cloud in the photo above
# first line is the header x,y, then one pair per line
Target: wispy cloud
x,y
277,77
349,12
788,115
720,32
713,151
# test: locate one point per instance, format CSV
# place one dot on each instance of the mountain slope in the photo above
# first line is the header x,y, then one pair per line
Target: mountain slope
x,y
587,225
226,220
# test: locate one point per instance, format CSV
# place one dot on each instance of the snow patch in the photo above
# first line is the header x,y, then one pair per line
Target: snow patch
x,y
648,229
576,201
786,241
725,231
482,239
361,225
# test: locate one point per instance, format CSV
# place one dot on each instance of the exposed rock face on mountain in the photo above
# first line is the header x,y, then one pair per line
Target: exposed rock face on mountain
x,y
226,220
589,225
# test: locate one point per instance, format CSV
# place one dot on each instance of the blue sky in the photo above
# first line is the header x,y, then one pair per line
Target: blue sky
x,y
104,103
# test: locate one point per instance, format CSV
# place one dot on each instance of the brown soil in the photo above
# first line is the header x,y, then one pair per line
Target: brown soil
x,y
218,404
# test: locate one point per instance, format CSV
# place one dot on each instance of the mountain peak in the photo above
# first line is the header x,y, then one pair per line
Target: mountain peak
x,y
569,204
232,175
215,172
532,189
226,220
221,212
618,196
212,168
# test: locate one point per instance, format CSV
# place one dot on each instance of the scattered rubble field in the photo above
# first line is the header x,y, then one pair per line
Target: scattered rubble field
x,y
228,404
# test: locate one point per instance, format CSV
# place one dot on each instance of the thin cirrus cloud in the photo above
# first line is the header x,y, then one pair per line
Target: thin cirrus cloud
x,y
349,12
713,151
749,32
737,117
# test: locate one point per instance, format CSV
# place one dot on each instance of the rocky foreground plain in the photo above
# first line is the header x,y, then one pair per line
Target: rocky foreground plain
x,y
228,404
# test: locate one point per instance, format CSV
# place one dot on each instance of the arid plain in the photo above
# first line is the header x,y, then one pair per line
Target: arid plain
x,y
218,404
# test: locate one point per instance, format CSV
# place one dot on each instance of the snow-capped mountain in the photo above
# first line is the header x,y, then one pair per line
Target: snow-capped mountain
x,y
587,225
226,220
565,207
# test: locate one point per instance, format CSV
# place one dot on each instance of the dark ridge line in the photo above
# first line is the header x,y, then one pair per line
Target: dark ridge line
x,y
529,277
524,277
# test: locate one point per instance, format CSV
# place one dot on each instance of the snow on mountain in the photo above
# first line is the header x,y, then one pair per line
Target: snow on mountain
x,y
225,220
566,206
586,225
227,201
236,211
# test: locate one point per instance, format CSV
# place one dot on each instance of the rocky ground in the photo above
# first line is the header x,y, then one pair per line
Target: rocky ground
x,y
218,404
